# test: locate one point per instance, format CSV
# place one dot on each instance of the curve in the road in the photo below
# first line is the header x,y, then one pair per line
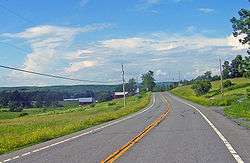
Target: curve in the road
x,y
114,156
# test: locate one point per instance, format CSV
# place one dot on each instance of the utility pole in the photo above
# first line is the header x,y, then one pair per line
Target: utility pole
x,y
179,78
137,86
221,78
123,86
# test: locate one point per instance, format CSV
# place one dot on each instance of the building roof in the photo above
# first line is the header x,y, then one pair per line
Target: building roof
x,y
120,93
88,99
71,99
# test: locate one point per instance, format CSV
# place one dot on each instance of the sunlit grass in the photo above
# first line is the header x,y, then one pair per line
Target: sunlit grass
x,y
214,98
20,132
239,110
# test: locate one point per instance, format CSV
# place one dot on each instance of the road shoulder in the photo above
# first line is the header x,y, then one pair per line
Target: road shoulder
x,y
238,136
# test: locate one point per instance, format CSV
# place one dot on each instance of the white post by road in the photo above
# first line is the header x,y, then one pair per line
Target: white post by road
x,y
123,85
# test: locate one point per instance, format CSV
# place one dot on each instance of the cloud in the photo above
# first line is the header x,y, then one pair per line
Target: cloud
x,y
147,4
191,29
127,43
83,3
80,65
206,10
48,43
235,43
52,52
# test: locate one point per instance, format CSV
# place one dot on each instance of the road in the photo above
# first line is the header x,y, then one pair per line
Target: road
x,y
183,136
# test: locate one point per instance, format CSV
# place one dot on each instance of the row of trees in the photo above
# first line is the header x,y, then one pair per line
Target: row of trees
x,y
239,67
148,84
17,100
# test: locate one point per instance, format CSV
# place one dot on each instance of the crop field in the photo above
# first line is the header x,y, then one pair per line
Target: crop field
x,y
44,124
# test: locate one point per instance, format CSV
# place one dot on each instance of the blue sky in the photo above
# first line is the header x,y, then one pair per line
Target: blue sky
x,y
90,39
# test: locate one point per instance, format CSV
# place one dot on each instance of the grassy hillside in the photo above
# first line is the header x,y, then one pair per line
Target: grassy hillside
x,y
214,98
18,132
236,98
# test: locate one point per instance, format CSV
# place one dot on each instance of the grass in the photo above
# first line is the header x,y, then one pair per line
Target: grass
x,y
19,132
213,98
239,110
236,98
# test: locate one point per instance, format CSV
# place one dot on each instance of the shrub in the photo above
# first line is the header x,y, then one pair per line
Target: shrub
x,y
227,83
111,103
92,105
23,114
201,87
246,74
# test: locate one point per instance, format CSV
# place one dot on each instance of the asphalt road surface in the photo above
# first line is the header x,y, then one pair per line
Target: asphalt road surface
x,y
183,136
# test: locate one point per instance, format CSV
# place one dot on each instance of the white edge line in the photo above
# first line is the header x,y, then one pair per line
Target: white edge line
x,y
85,133
7,160
225,141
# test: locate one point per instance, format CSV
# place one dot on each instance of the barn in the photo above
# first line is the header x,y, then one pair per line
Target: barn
x,y
119,95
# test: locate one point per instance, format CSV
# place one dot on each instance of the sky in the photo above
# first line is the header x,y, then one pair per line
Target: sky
x,y
90,39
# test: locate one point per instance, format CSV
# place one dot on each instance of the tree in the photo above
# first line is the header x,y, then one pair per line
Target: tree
x,y
201,87
148,81
241,27
131,86
207,76
236,67
226,70
246,67
15,106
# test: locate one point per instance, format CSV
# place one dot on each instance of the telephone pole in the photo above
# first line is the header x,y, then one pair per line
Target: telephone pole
x,y
221,78
123,86
179,78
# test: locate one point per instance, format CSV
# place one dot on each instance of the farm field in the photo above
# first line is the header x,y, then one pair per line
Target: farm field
x,y
44,124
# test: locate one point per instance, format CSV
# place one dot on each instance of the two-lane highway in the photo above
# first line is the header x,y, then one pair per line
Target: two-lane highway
x,y
95,145
189,133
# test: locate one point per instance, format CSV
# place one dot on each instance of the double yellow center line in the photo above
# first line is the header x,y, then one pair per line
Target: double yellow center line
x,y
126,147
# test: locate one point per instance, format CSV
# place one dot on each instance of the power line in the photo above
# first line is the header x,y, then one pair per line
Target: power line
x,y
55,76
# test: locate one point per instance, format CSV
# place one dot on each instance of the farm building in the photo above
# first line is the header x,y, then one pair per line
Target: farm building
x,y
119,95
85,101
80,101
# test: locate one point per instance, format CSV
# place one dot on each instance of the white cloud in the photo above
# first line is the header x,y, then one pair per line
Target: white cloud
x,y
191,29
126,43
235,43
206,10
160,73
49,43
77,66
101,60
147,4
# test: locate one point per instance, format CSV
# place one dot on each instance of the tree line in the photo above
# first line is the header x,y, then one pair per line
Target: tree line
x,y
16,99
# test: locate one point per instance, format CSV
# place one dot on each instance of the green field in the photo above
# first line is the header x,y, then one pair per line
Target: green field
x,y
42,125
236,97
214,98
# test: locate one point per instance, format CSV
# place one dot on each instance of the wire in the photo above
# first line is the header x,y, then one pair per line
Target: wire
x,y
55,76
